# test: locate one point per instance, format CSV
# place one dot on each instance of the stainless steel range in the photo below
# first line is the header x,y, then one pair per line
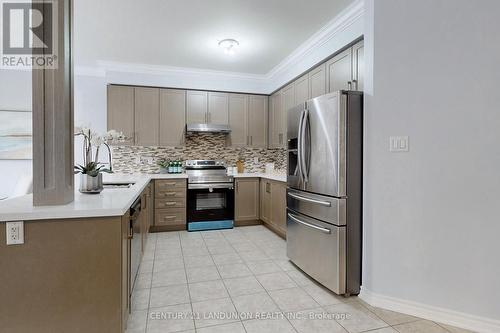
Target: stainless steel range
x,y
210,202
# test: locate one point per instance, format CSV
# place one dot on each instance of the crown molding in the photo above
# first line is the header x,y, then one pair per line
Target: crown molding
x,y
339,23
124,67
290,67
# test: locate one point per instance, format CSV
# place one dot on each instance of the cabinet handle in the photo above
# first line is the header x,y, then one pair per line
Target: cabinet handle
x,y
170,203
280,138
251,140
169,194
168,217
349,84
248,140
170,184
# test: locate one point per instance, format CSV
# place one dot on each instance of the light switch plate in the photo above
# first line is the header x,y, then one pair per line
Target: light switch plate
x,y
399,144
15,232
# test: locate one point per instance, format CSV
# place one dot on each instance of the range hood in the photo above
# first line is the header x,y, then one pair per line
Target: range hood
x,y
207,128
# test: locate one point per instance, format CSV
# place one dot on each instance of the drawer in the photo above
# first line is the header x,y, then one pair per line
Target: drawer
x,y
162,185
319,249
170,203
171,193
172,216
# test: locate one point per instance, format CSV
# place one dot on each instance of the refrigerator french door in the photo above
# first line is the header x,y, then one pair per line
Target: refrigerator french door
x,y
324,177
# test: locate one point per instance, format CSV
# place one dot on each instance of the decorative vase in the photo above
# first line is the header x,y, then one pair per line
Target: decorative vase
x,y
90,184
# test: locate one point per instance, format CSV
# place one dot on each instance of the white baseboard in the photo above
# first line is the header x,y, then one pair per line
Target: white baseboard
x,y
440,315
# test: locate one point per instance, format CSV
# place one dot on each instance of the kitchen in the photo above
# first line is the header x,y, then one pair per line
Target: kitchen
x,y
254,180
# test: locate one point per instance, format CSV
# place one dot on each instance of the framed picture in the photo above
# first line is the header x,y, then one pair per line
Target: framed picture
x,y
16,135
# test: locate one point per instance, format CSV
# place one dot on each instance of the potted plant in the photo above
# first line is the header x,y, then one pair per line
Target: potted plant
x,y
91,170
163,164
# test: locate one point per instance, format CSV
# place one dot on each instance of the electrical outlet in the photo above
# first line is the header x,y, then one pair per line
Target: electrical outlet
x,y
15,232
399,144
256,160
145,159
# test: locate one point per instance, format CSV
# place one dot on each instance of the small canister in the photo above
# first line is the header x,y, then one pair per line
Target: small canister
x,y
240,165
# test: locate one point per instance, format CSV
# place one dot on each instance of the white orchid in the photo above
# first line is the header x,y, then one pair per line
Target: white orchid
x,y
92,139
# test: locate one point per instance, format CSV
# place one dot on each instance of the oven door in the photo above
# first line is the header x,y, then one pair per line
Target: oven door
x,y
210,203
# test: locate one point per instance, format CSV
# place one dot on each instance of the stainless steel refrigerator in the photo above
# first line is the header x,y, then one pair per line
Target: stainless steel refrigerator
x,y
324,195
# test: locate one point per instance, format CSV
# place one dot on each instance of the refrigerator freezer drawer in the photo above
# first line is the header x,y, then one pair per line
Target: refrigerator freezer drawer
x,y
319,249
328,209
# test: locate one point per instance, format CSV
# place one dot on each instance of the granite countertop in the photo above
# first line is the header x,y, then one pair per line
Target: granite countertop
x,y
110,202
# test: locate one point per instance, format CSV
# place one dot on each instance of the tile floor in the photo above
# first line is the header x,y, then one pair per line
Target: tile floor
x,y
240,280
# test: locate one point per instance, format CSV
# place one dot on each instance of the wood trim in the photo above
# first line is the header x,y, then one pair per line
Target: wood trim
x,y
163,228
247,223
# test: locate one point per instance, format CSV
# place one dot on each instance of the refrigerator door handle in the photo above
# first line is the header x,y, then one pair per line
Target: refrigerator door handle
x,y
299,146
309,225
319,202
304,145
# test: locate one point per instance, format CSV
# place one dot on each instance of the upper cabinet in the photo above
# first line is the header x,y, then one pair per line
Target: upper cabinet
x,y
238,120
196,107
317,81
147,116
301,89
257,121
339,70
218,105
121,110
207,107
358,64
172,117
276,133
345,70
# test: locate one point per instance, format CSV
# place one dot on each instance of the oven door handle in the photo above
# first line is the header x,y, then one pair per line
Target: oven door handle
x,y
210,186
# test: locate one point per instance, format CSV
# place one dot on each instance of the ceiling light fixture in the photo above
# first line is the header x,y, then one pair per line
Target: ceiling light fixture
x,y
229,45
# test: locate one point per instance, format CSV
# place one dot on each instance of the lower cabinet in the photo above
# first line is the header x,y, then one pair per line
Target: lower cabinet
x,y
273,205
169,204
246,199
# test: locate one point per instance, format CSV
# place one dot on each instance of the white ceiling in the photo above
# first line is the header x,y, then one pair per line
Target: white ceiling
x,y
184,33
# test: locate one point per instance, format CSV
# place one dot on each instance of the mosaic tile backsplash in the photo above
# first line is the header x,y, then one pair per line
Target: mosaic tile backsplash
x,y
198,146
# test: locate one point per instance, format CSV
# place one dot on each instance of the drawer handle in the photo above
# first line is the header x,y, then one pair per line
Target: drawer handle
x,y
169,184
309,225
169,217
170,203
319,202
169,194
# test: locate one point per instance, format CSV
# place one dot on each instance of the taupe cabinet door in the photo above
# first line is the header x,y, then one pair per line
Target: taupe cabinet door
x,y
301,89
257,121
265,200
317,81
218,105
340,71
121,110
287,102
276,134
197,106
147,116
247,199
172,117
278,205
238,119
358,65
